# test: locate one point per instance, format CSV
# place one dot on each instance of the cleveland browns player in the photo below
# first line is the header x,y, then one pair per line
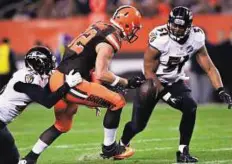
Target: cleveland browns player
x,y
94,49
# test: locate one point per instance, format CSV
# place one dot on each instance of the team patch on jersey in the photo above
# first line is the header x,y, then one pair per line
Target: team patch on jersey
x,y
152,37
190,49
29,78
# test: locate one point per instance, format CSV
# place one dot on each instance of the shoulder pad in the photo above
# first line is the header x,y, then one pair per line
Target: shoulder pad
x,y
158,37
199,34
27,76
109,34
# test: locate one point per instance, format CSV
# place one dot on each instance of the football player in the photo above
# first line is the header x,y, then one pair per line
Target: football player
x,y
94,49
170,46
29,85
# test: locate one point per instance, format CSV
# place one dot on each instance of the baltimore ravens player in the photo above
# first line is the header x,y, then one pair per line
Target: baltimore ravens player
x,y
27,85
170,46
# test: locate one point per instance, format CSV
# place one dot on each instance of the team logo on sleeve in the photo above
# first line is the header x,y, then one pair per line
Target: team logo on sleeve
x,y
152,37
29,78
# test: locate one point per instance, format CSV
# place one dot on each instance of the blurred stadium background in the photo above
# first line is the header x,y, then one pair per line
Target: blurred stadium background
x,y
53,23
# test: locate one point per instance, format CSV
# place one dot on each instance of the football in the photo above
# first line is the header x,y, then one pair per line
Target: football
x,y
148,89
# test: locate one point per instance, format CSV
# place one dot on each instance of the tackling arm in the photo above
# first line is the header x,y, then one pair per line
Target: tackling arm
x,y
41,95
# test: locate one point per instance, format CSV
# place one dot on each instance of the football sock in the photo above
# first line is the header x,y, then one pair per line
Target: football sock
x,y
32,156
122,144
128,134
109,136
50,135
46,138
181,148
39,147
186,128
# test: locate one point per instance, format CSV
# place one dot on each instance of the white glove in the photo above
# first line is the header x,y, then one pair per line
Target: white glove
x,y
73,78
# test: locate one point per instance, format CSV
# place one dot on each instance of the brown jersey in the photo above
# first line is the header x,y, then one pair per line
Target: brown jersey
x,y
80,54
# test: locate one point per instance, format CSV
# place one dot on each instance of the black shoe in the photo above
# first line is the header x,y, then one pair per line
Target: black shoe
x,y
116,151
27,161
185,157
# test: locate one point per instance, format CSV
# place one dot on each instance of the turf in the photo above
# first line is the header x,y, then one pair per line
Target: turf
x,y
211,142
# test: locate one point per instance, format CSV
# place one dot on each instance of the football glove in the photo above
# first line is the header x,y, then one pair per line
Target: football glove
x,y
135,82
118,88
72,79
225,97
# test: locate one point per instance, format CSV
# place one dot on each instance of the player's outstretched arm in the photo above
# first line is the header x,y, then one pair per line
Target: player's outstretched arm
x,y
105,54
44,96
213,74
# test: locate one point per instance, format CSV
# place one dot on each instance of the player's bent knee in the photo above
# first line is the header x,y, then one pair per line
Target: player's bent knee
x,y
61,105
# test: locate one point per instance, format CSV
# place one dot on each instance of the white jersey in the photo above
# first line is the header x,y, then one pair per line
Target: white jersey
x,y
12,103
174,55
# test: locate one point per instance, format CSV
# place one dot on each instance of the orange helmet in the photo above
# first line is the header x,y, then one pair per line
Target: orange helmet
x,y
128,20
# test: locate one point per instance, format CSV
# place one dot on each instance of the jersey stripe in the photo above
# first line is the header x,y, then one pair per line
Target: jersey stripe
x,y
113,41
78,94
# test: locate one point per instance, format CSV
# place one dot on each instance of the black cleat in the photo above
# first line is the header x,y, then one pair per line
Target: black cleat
x,y
185,157
116,151
27,161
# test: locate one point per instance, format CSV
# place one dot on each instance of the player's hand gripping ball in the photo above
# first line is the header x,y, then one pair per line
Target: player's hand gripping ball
x,y
149,89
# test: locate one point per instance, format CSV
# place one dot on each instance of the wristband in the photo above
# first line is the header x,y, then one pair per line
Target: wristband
x,y
115,82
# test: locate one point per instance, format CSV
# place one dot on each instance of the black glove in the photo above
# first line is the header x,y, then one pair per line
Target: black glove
x,y
225,97
171,100
135,82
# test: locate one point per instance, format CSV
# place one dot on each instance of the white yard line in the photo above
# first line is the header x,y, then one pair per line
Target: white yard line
x,y
98,144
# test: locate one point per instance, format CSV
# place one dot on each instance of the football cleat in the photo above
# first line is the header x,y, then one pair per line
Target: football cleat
x,y
27,161
116,151
185,157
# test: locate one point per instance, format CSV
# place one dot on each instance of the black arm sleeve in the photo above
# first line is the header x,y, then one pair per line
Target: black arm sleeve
x,y
41,95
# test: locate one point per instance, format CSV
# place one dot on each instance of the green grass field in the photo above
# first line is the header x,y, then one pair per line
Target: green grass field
x,y
211,142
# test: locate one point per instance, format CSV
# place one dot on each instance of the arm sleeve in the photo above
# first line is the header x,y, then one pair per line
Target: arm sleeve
x,y
41,95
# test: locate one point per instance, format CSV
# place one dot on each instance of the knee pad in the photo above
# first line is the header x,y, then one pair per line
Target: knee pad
x,y
112,119
189,105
